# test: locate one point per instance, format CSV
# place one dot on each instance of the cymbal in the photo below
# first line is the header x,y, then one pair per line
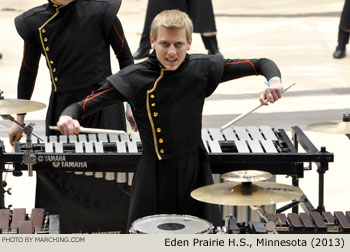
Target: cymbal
x,y
333,127
246,194
14,106
246,176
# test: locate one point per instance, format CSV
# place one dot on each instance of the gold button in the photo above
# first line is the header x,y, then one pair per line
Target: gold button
x,y
152,96
159,130
160,140
51,62
155,114
153,104
54,70
45,39
162,151
47,49
56,79
43,30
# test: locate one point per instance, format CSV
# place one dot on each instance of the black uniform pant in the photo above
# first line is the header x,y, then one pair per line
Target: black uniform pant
x,y
200,11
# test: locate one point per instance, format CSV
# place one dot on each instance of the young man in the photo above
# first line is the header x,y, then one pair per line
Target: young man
x,y
167,93
74,37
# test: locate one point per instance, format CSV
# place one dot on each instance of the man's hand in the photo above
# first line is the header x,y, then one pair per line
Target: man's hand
x,y
68,126
130,118
272,93
16,132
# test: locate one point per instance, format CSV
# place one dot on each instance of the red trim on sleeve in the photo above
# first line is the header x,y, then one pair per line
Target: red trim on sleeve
x,y
91,96
24,62
244,61
122,39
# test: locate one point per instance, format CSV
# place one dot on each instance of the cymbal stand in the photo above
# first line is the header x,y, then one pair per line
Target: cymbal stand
x,y
29,158
270,225
22,125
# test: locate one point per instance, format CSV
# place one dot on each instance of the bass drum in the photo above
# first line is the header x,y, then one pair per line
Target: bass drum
x,y
171,224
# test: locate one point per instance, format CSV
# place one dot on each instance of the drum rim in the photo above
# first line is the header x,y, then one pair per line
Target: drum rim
x,y
132,227
170,215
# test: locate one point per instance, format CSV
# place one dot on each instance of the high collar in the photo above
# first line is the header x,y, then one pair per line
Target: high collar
x,y
153,60
51,4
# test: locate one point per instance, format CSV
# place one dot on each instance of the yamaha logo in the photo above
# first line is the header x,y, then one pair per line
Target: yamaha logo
x,y
56,164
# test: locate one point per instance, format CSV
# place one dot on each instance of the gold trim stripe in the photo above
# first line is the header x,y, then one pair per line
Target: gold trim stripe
x,y
44,48
150,115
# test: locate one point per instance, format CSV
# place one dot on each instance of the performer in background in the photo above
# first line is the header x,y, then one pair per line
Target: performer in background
x,y
200,11
167,93
74,38
344,32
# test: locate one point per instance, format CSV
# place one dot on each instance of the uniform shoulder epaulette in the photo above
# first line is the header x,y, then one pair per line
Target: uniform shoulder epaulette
x,y
198,57
206,57
113,6
33,11
132,68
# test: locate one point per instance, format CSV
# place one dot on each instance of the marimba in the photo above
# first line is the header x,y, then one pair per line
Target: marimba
x,y
312,222
16,221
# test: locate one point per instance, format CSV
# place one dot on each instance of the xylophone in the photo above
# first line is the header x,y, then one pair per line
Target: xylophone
x,y
236,148
16,221
312,222
292,223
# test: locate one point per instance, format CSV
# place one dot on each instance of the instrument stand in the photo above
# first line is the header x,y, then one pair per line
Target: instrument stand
x,y
2,193
269,225
22,125
322,166
29,158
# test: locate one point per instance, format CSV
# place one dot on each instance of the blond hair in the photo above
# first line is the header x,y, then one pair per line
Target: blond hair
x,y
173,19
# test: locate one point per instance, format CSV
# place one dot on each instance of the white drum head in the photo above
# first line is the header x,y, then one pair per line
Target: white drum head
x,y
171,224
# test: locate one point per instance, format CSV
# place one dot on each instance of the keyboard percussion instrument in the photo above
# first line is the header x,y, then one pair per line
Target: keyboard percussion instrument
x,y
246,156
312,222
236,148
233,151
16,221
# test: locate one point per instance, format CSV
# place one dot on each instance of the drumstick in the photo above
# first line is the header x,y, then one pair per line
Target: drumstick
x,y
249,112
93,130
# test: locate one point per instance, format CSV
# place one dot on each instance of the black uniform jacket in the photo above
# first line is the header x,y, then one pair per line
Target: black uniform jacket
x,y
75,41
167,106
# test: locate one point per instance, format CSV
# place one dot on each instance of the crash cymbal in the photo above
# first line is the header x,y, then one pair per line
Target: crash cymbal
x,y
15,106
246,176
246,194
332,127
